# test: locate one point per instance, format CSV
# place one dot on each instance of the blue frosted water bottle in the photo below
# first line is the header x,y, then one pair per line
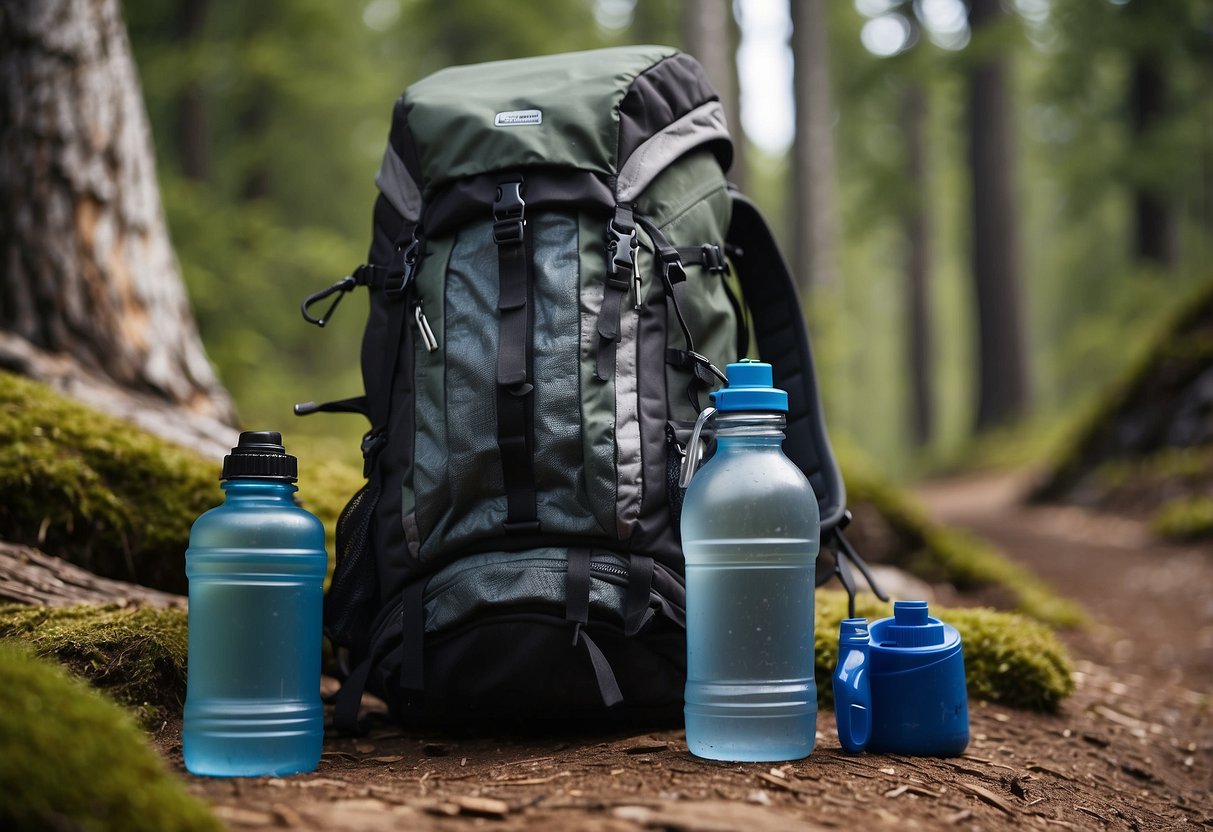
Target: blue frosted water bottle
x,y
256,568
750,534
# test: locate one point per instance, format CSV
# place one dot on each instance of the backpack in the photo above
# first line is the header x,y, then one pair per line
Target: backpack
x,y
550,301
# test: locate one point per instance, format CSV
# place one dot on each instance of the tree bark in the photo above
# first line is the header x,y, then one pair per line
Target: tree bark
x,y
192,117
1003,386
918,260
709,33
88,270
816,234
1155,222
29,576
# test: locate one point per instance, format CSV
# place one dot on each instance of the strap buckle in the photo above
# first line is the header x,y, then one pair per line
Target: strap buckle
x,y
395,285
509,214
713,258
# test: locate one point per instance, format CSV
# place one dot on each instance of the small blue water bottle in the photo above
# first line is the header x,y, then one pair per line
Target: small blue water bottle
x,y
256,567
750,534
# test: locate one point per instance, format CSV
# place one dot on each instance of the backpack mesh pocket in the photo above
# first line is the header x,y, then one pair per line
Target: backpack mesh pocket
x,y
352,598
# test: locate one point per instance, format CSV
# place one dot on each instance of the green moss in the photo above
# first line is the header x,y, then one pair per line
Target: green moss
x,y
1009,659
941,554
73,760
116,500
1187,519
96,491
137,656
1171,343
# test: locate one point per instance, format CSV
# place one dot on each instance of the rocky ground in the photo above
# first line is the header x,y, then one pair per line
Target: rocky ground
x,y
1132,749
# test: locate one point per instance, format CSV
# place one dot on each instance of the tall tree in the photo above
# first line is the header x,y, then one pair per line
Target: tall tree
x,y
816,236
192,116
1003,385
1155,219
915,222
710,34
88,273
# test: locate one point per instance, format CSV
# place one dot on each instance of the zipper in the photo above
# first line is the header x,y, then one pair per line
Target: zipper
x,y
603,570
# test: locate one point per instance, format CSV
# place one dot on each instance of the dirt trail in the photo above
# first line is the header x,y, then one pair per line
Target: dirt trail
x,y
1133,749
1151,602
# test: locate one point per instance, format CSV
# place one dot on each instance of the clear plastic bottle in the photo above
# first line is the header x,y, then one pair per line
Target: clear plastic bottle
x,y
256,567
750,534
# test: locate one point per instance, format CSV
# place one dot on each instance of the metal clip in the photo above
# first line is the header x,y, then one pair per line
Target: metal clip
x,y
424,330
694,448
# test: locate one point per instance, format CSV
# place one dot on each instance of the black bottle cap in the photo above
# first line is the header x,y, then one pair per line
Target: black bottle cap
x,y
260,455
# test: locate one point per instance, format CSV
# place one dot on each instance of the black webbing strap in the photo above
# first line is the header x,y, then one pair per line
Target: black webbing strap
x,y
349,698
783,342
636,601
412,658
515,399
622,275
577,611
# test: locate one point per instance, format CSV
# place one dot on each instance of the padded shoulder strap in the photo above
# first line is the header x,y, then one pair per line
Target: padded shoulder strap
x,y
783,342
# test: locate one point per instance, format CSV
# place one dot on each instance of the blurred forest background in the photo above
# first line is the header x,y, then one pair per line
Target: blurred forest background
x,y
1059,150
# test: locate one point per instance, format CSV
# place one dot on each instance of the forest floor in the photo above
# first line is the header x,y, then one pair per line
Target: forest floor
x,y
1132,749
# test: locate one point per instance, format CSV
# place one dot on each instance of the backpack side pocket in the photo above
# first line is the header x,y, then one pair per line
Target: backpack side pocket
x,y
351,601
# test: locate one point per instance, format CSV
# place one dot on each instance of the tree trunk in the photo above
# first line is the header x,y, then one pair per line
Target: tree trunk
x,y
816,231
192,117
709,33
1003,388
918,233
1155,222
88,270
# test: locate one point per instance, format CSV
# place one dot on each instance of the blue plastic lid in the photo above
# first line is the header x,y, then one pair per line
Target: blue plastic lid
x,y
912,626
750,388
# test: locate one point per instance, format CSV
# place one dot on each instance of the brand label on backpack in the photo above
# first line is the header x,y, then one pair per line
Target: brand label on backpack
x,y
514,118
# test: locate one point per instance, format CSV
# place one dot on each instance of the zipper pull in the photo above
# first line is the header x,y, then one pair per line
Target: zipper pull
x,y
637,303
423,328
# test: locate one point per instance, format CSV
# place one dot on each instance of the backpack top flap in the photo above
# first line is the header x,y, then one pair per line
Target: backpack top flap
x,y
622,114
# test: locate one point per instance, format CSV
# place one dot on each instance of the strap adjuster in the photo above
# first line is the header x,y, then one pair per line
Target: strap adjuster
x,y
509,214
713,258
396,282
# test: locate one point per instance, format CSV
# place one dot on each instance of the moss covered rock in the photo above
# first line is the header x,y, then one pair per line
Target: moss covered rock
x,y
113,499
1148,440
1188,518
96,491
73,760
1009,659
137,656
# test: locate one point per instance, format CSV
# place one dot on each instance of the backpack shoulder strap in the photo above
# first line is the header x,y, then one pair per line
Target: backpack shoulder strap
x,y
783,342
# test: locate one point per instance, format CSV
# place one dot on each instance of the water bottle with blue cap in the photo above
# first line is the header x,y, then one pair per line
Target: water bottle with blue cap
x,y
750,534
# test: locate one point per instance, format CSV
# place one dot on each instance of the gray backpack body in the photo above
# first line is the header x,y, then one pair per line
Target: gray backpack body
x,y
550,301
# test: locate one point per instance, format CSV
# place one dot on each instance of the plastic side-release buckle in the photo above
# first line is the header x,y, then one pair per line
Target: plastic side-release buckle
x,y
397,282
713,258
509,214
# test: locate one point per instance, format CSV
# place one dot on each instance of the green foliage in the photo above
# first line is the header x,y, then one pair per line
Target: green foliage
x,y
94,491
136,655
1009,659
73,760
